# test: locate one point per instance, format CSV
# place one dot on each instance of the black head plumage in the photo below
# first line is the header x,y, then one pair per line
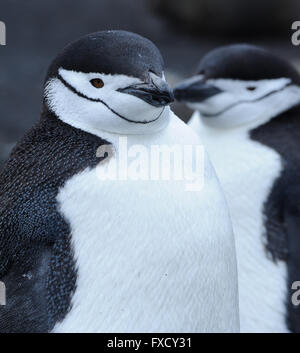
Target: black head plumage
x,y
245,62
110,52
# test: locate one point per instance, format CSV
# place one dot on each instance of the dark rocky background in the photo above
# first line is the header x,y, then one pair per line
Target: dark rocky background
x,y
183,30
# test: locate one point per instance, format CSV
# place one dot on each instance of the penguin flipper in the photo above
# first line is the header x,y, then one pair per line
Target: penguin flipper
x,y
35,239
23,265
292,225
276,238
36,263
38,287
26,307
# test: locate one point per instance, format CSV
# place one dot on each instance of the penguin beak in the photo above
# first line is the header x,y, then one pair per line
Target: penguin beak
x,y
156,92
195,90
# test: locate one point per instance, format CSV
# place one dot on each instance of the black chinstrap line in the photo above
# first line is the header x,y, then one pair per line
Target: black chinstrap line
x,y
65,83
245,101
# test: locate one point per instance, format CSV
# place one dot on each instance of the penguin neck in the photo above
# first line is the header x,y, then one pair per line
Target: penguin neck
x,y
281,134
144,139
48,116
52,126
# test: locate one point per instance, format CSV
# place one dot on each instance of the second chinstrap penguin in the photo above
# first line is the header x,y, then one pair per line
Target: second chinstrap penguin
x,y
247,112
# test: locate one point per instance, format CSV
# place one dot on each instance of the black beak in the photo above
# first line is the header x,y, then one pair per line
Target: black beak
x,y
195,90
157,92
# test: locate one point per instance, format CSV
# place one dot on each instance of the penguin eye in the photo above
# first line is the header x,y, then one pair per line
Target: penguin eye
x,y
251,88
97,82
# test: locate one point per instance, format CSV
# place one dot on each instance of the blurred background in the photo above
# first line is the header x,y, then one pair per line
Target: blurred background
x,y
184,30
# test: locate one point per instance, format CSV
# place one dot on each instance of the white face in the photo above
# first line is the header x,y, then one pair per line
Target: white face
x,y
243,102
95,109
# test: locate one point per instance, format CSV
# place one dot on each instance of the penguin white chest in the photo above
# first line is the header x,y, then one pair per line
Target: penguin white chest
x,y
247,171
149,256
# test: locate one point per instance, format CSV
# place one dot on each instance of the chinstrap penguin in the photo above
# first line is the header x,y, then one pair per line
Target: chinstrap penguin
x,y
247,104
81,254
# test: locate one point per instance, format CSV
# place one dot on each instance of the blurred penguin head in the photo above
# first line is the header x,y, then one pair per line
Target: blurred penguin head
x,y
240,84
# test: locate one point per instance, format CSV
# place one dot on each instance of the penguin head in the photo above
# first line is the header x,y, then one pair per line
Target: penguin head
x,y
110,81
239,84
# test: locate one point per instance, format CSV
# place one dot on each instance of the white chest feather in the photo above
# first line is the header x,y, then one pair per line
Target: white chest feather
x,y
247,171
151,256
